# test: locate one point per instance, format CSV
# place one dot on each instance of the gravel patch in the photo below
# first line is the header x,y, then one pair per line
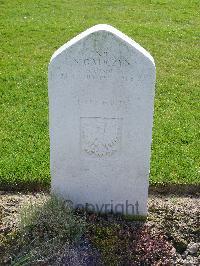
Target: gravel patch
x,y
177,217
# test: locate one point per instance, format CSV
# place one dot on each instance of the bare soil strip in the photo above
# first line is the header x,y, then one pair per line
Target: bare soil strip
x,y
177,217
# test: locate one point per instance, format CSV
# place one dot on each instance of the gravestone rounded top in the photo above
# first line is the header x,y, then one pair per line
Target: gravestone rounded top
x,y
101,91
103,28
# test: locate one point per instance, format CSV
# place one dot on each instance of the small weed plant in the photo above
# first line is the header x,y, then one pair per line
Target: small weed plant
x,y
46,231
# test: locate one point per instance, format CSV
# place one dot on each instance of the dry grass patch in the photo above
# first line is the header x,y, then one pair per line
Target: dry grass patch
x,y
46,230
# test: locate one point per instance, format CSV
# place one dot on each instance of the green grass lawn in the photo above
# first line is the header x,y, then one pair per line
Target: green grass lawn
x,y
32,30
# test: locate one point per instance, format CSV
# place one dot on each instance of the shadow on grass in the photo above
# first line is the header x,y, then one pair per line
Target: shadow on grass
x,y
156,189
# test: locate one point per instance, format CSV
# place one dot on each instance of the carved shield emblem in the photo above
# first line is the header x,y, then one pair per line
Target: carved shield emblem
x,y
100,137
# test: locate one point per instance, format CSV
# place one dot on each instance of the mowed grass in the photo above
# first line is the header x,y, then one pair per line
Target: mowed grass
x,y
32,30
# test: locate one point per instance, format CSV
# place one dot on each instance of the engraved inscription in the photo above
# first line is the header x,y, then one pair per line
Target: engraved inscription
x,y
103,58
116,103
98,65
100,137
101,65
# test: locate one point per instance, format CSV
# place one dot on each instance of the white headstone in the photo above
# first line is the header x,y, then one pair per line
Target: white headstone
x,y
101,92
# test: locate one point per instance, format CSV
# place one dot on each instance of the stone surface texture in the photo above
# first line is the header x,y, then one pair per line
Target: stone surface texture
x,y
101,92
